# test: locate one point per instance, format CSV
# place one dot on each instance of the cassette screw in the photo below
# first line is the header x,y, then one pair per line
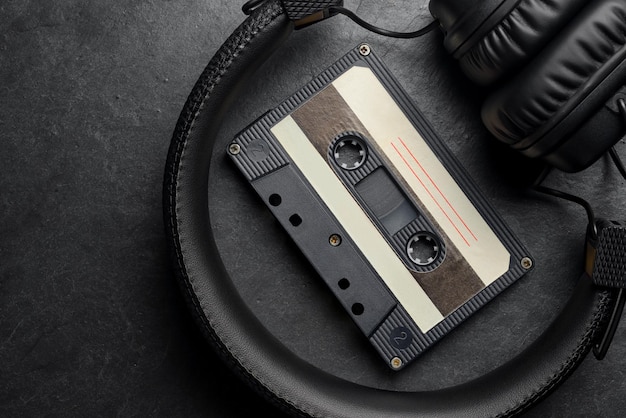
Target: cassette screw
x,y
335,240
396,363
527,263
234,149
365,50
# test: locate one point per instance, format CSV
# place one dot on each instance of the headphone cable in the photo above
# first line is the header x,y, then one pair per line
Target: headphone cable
x,y
618,162
251,5
380,31
591,219
621,104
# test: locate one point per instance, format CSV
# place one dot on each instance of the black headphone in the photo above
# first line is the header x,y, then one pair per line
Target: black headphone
x,y
557,71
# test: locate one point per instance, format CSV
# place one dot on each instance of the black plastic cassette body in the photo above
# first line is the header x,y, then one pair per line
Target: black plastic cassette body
x,y
379,206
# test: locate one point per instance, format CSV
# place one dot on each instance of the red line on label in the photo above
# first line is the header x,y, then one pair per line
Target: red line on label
x,y
438,189
429,193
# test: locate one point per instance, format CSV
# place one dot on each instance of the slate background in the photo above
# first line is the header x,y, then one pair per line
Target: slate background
x,y
91,319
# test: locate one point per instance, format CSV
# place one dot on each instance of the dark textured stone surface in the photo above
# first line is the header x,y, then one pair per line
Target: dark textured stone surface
x,y
91,320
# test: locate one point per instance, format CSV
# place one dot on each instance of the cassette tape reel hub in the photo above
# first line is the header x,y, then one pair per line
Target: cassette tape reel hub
x,y
349,151
423,249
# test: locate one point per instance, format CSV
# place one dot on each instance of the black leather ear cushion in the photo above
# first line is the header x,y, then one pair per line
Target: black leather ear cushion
x,y
459,19
572,74
515,39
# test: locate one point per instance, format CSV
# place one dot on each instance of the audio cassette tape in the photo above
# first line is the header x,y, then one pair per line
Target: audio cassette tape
x,y
379,206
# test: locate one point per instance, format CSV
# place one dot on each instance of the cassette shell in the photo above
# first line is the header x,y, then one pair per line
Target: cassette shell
x,y
276,151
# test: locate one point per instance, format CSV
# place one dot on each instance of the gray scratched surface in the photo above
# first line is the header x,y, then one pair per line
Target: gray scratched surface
x,y
91,321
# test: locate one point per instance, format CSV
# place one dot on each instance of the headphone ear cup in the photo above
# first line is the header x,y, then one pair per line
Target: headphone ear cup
x,y
564,87
492,38
517,38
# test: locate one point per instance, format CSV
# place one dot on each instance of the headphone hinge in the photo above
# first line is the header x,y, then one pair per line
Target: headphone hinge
x,y
306,13
606,265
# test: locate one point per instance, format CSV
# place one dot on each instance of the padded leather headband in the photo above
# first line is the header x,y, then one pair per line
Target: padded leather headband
x,y
254,353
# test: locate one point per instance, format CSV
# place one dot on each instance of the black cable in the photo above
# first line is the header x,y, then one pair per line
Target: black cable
x,y
591,219
384,32
579,200
618,162
542,176
621,104
250,5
